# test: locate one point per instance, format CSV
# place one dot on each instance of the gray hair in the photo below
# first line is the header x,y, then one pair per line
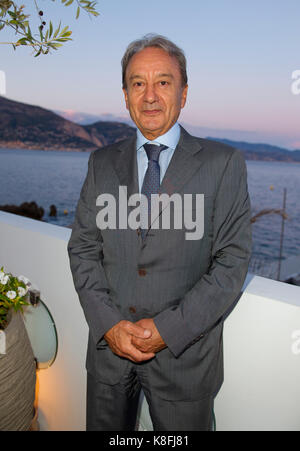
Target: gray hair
x,y
154,40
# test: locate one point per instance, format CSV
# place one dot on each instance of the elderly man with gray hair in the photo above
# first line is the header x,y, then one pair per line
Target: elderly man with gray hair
x,y
155,301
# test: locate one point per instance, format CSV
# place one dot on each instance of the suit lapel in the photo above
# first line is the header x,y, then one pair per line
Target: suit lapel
x,y
184,163
125,165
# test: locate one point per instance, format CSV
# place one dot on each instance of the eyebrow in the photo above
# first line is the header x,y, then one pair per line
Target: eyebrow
x,y
132,77
166,75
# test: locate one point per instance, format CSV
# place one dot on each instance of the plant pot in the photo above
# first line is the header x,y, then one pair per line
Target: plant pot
x,y
17,378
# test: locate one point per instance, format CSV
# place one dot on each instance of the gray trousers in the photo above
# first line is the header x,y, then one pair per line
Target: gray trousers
x,y
115,407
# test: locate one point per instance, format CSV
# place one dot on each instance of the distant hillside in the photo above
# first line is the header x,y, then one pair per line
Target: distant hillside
x,y
87,119
109,132
31,127
260,151
26,126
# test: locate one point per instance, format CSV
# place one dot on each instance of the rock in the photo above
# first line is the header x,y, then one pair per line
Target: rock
x,y
28,209
53,211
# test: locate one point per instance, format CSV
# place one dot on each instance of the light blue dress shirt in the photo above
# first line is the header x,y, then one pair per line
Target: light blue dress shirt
x,y
169,139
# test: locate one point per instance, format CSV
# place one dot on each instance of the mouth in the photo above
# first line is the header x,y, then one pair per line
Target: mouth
x,y
151,112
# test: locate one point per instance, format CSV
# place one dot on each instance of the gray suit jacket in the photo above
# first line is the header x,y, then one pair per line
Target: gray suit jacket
x,y
187,286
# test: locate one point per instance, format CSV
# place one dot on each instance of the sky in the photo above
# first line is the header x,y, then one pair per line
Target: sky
x,y
240,54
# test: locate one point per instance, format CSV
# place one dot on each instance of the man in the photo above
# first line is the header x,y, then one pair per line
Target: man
x,y
155,301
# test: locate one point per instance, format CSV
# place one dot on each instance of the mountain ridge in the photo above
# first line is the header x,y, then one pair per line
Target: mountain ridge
x,y
26,126
268,151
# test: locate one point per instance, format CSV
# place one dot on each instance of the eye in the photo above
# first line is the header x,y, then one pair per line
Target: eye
x,y
163,83
138,84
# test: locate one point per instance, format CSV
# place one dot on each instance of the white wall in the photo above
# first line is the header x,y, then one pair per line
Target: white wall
x,y
262,360
39,251
262,373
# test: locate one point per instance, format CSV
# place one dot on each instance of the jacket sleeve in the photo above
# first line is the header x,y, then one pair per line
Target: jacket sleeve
x,y
216,292
85,254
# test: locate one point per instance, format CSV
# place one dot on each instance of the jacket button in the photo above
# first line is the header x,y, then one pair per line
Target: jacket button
x,y
132,309
142,272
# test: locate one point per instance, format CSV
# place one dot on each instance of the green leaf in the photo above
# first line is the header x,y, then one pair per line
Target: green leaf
x,y
57,31
39,52
54,45
41,35
29,35
68,33
21,25
63,39
78,12
50,29
64,30
22,41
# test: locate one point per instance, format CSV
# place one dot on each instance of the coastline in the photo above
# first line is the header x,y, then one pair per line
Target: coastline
x,y
19,146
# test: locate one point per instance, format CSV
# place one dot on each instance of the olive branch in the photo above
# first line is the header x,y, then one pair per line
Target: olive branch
x,y
50,38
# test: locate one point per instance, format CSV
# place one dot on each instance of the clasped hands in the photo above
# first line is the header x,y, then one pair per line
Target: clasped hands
x,y
137,342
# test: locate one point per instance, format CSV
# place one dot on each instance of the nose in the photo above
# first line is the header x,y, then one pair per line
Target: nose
x,y
150,95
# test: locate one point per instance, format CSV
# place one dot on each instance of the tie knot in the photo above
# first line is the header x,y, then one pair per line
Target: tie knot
x,y
153,151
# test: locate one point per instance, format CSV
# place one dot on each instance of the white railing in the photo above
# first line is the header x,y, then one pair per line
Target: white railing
x,y
261,390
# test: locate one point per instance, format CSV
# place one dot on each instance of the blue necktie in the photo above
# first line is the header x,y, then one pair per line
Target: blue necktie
x,y
151,181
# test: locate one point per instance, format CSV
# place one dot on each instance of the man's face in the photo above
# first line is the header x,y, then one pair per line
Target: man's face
x,y
154,94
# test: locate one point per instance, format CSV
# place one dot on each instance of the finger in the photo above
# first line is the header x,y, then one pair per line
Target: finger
x,y
133,354
141,345
139,331
138,356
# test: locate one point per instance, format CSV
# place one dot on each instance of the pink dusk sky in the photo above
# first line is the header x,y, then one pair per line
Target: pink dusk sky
x,y
241,57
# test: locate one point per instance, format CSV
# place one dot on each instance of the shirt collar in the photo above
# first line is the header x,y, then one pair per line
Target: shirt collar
x,y
169,139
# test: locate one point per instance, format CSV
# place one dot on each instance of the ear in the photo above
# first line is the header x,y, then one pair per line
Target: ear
x,y
184,95
126,97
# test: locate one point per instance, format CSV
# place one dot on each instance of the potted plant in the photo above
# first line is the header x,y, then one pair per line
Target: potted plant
x,y
17,363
